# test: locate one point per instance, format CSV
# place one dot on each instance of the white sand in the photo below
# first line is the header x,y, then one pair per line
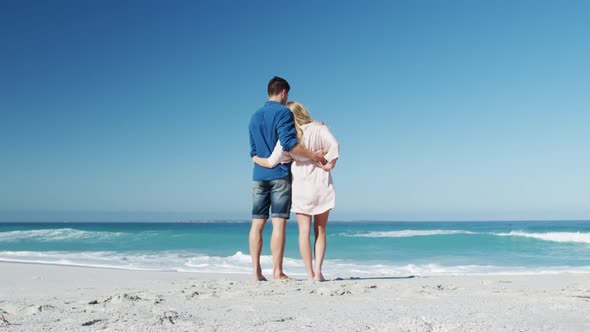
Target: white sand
x,y
42,297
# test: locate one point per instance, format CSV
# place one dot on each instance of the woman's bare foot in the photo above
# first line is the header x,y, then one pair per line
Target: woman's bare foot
x,y
319,277
312,276
281,276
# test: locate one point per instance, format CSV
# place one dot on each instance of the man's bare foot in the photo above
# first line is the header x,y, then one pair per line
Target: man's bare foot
x,y
281,276
319,277
259,277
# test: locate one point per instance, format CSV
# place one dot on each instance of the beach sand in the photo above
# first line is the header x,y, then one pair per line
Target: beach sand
x,y
62,298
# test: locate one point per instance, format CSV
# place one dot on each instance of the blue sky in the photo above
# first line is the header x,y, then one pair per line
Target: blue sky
x,y
455,110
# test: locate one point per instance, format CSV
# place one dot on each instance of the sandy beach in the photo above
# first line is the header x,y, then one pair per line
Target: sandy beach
x,y
61,298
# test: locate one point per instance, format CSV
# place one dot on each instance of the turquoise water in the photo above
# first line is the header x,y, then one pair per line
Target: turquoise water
x,y
354,248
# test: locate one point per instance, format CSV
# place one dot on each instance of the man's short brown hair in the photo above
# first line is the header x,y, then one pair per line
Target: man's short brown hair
x,y
276,85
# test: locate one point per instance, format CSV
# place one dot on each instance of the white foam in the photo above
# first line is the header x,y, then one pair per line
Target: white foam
x,y
53,235
576,237
408,233
215,222
240,263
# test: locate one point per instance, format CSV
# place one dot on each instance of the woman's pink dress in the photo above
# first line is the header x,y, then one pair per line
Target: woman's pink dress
x,y
313,188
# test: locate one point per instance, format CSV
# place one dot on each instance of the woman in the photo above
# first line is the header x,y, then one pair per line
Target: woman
x,y
312,189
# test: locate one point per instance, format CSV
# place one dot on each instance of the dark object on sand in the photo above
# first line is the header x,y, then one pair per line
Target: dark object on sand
x,y
92,322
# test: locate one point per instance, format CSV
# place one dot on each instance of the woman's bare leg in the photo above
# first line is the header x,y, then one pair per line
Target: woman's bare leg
x,y
319,227
304,221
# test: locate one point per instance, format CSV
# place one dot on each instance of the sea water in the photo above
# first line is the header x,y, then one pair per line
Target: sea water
x,y
354,249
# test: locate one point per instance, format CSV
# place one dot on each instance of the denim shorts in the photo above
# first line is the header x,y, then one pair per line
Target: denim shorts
x,y
272,193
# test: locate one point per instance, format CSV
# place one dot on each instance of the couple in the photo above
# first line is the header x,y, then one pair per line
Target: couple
x,y
293,156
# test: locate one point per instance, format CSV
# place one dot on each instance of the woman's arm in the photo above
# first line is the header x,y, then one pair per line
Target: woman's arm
x,y
329,166
275,158
333,151
262,162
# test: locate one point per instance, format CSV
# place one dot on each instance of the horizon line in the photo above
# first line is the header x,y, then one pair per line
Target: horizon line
x,y
209,220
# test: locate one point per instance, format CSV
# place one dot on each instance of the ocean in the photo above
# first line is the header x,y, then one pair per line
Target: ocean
x,y
354,249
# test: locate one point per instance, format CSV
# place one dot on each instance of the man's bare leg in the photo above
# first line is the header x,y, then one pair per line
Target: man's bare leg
x,y
277,246
256,247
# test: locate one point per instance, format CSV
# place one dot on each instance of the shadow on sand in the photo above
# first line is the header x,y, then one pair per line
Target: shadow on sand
x,y
372,278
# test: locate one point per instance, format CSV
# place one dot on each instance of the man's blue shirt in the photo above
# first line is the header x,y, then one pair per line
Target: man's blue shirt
x,y
269,124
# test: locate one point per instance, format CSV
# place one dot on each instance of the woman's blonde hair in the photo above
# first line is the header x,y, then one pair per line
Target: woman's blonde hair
x,y
301,116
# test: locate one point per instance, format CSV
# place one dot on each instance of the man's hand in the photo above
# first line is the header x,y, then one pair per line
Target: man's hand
x,y
326,167
318,157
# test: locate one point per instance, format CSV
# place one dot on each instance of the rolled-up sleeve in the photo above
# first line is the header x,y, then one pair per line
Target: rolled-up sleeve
x,y
275,157
252,144
330,141
286,130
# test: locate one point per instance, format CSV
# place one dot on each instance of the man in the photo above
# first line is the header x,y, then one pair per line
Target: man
x,y
272,187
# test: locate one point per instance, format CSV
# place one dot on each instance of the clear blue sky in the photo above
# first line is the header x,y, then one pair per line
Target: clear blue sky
x,y
445,110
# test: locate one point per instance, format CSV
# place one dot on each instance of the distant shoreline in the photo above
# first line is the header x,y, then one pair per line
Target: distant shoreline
x,y
228,221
